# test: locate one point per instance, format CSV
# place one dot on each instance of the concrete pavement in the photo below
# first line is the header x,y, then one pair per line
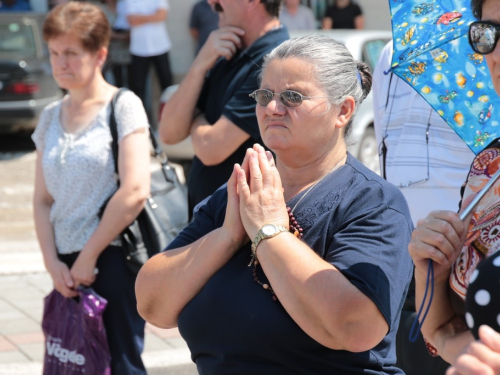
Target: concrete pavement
x,y
23,285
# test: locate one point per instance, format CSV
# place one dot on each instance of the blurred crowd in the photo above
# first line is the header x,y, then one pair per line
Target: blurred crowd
x,y
134,47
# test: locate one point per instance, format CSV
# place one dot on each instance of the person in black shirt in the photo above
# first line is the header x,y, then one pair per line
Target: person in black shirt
x,y
343,14
212,104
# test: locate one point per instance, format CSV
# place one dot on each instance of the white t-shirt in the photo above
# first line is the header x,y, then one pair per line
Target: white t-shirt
x,y
402,117
79,170
150,39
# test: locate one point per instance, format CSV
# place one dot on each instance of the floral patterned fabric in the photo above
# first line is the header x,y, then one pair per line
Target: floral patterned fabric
x,y
483,238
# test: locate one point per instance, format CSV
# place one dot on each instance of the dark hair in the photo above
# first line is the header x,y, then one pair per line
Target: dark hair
x,y
87,21
336,71
366,78
272,7
477,8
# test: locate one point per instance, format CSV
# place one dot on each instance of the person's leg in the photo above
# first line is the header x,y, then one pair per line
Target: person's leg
x,y
124,326
162,66
139,74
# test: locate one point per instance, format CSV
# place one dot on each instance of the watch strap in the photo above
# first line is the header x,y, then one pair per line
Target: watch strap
x,y
261,236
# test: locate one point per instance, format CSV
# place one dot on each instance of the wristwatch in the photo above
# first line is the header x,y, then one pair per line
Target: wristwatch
x,y
267,231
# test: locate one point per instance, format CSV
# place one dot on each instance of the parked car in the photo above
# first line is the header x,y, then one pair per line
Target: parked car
x,y
364,45
26,83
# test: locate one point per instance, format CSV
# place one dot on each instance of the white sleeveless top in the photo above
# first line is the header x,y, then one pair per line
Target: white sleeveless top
x,y
78,168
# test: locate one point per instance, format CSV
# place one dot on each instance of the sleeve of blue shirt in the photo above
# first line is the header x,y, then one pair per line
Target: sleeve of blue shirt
x,y
370,249
240,110
194,19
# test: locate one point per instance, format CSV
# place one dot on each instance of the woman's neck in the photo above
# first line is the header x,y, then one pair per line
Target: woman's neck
x,y
298,177
97,89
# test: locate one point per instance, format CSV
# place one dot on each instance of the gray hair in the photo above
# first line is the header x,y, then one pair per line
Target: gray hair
x,y
336,71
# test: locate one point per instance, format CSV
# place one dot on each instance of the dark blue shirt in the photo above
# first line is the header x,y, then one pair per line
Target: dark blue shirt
x,y
225,93
19,6
352,219
205,20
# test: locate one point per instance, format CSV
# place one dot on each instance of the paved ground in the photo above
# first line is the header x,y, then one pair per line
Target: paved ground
x,y
24,283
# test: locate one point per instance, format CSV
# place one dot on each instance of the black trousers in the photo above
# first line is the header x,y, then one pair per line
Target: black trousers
x,y
124,326
139,72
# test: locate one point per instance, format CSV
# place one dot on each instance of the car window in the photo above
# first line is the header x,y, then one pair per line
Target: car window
x,y
17,38
372,50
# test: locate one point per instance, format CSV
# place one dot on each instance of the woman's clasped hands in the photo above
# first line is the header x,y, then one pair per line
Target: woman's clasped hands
x,y
67,281
255,196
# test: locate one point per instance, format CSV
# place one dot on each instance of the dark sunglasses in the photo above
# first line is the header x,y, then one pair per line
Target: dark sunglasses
x,y
288,97
483,36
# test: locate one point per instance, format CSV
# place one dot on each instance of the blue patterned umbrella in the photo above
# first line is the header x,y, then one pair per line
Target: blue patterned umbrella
x,y
432,54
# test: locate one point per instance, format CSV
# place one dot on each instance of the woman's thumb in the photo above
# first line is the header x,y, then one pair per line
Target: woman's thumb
x,y
68,280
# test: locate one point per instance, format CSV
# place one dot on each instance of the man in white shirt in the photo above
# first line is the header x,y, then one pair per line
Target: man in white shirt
x,y
149,42
427,160
424,156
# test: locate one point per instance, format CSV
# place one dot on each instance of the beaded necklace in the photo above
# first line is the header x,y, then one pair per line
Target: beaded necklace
x,y
295,229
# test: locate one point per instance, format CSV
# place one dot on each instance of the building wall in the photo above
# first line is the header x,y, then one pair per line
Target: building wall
x,y
377,15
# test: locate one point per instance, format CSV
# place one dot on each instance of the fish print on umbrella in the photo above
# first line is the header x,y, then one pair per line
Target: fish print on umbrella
x,y
432,54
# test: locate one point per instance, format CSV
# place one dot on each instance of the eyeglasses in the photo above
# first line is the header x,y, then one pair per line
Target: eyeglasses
x,y
483,36
288,97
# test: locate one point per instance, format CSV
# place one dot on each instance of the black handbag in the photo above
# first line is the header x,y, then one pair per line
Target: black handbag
x,y
165,212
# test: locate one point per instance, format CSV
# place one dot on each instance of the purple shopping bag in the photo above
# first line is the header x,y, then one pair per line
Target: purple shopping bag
x,y
75,338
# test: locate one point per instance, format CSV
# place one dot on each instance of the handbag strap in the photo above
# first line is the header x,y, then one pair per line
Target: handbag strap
x,y
159,154
114,129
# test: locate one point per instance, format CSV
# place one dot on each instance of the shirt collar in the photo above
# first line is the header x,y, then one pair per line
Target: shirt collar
x,y
261,45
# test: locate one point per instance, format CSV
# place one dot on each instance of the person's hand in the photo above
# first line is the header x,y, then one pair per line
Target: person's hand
x,y
480,357
223,42
440,237
83,270
61,277
134,20
261,193
233,227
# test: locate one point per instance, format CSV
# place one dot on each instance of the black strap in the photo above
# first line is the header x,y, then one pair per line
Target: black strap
x,y
114,133
159,154
114,129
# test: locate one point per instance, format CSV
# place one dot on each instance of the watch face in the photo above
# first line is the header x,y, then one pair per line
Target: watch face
x,y
269,229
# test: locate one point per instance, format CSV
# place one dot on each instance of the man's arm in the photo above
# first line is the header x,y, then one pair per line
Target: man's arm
x,y
137,20
224,134
359,22
194,33
327,23
180,111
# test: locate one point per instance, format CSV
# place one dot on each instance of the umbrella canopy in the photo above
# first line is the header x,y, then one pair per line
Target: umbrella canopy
x,y
433,55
